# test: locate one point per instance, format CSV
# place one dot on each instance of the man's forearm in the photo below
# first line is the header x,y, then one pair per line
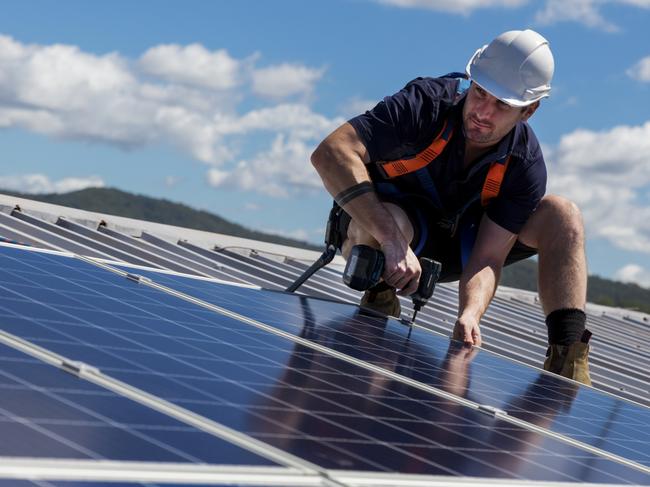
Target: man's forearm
x,y
340,162
476,290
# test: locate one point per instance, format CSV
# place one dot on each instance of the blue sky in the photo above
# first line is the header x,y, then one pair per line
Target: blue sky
x,y
218,104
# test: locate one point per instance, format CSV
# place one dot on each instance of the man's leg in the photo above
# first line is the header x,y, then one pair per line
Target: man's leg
x,y
381,298
556,230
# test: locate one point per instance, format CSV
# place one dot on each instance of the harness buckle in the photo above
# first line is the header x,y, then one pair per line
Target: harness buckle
x,y
380,168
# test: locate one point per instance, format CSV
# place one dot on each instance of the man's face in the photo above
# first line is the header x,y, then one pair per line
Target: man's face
x,y
486,119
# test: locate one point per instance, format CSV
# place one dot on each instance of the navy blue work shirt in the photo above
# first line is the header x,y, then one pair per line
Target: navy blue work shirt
x,y
404,124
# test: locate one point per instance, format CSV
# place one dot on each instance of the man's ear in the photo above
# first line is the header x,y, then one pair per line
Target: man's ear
x,y
529,110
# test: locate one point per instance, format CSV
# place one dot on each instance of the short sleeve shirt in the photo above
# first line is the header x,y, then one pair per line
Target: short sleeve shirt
x,y
404,124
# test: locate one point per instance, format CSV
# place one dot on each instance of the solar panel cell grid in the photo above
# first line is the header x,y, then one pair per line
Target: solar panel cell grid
x,y
269,387
517,327
48,413
582,413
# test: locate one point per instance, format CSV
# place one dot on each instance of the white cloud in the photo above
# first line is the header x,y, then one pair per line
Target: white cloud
x,y
183,96
607,173
300,120
285,80
171,181
637,3
193,65
277,172
635,274
587,12
641,70
464,7
40,183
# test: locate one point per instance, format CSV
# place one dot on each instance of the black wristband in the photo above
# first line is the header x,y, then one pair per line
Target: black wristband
x,y
352,192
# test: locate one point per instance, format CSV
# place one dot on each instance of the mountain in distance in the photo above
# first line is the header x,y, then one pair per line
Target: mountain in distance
x,y
522,275
121,203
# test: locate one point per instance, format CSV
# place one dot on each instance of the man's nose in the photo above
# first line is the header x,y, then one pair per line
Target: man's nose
x,y
484,110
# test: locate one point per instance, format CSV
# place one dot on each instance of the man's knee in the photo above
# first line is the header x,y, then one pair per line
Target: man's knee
x,y
555,218
401,218
356,235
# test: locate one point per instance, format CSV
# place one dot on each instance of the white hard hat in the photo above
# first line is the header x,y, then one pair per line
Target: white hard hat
x,y
516,67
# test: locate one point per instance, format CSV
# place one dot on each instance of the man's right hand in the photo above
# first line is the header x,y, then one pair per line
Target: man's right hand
x,y
402,268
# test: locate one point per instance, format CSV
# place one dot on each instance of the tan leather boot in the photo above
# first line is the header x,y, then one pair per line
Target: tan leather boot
x,y
385,302
570,360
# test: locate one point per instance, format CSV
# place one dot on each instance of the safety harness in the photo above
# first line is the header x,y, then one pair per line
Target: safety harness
x,y
493,180
417,165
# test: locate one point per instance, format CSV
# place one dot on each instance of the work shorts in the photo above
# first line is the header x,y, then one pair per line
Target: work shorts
x,y
434,238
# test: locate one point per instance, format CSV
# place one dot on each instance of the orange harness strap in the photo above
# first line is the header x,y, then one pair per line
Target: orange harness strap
x,y
493,180
392,169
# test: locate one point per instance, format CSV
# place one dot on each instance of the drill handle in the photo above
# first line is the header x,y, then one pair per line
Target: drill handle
x,y
430,275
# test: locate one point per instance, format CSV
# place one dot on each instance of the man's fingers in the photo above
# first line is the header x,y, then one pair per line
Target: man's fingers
x,y
406,280
476,335
468,333
410,288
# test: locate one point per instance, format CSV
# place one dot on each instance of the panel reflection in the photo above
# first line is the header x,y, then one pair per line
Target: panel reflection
x,y
436,434
585,414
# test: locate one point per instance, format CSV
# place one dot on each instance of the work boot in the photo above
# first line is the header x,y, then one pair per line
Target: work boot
x,y
570,360
383,299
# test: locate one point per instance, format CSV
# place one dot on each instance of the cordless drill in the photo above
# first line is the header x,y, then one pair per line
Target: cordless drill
x,y
365,267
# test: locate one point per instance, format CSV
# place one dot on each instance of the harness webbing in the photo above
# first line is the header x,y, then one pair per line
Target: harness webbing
x,y
400,167
493,180
392,169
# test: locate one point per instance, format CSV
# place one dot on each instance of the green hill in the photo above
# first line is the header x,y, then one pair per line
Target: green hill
x,y
115,202
522,275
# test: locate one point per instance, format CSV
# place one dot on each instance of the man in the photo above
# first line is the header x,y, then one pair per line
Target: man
x,y
448,168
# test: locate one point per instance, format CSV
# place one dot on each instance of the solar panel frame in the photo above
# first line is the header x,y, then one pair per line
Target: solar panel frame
x,y
190,266
71,236
215,257
90,473
51,238
25,238
177,249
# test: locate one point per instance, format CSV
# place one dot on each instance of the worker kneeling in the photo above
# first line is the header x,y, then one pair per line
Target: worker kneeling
x,y
449,169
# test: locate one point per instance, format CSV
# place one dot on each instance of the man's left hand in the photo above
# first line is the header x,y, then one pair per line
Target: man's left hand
x,y
468,331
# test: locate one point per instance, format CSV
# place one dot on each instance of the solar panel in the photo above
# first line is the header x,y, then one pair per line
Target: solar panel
x,y
582,413
178,262
51,414
293,395
52,239
613,361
